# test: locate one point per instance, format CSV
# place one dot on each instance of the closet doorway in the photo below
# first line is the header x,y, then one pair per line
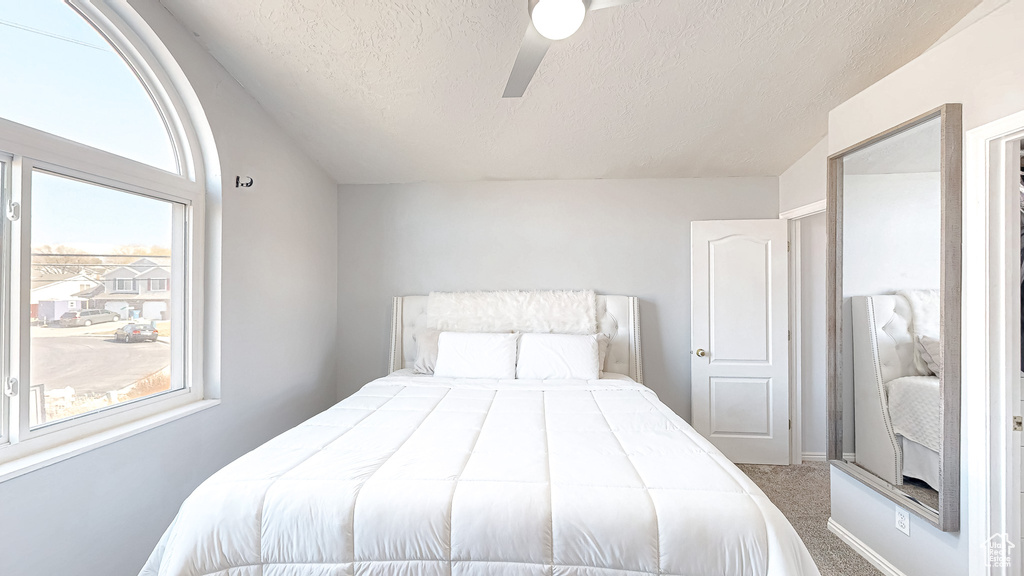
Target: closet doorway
x,y
992,353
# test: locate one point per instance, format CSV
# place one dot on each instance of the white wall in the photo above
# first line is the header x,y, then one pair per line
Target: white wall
x,y
614,236
101,513
979,67
805,181
926,552
892,233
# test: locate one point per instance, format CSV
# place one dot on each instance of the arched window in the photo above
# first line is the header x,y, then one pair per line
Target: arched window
x,y
68,80
101,243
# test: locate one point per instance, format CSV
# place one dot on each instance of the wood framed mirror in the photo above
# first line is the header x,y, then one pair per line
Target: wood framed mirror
x,y
893,318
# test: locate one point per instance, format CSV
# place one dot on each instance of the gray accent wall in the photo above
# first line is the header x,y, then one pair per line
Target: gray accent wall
x,y
627,237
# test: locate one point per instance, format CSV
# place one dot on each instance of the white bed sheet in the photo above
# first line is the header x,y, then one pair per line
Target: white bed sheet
x,y
915,409
423,475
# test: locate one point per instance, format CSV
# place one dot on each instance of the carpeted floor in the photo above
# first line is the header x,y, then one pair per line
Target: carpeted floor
x,y
921,492
802,493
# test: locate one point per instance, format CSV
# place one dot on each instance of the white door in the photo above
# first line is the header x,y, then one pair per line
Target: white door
x,y
739,363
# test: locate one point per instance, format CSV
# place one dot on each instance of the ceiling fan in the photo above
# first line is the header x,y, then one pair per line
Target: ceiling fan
x,y
550,20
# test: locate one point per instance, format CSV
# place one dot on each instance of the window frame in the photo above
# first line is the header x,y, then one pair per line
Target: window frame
x,y
6,168
25,149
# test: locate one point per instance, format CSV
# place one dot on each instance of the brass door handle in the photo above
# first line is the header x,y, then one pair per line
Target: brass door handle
x,y
701,353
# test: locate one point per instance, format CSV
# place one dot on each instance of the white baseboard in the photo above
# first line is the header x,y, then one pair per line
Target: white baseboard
x,y
863,549
820,457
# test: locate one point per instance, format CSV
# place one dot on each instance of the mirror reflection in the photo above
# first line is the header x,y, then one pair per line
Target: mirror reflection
x,y
892,264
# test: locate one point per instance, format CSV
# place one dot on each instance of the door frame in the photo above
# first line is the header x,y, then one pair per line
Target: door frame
x,y
794,217
991,343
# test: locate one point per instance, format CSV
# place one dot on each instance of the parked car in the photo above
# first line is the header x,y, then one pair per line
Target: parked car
x,y
88,317
136,333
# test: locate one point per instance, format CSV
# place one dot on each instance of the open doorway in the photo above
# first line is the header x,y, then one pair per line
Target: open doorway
x,y
992,353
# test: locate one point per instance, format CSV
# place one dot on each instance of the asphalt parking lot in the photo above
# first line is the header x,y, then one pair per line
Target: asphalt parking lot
x,y
92,362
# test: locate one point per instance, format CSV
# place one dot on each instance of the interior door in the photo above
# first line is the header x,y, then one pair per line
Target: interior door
x,y
739,364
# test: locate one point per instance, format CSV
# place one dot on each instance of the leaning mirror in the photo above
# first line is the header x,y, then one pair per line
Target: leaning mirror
x,y
894,314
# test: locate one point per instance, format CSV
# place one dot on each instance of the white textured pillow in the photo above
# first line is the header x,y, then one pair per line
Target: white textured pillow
x,y
558,356
476,355
929,350
426,350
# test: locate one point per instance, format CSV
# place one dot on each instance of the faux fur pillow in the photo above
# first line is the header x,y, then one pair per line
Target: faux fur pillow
x,y
426,350
930,351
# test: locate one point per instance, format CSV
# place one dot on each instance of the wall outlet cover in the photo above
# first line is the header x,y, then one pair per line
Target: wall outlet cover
x,y
903,520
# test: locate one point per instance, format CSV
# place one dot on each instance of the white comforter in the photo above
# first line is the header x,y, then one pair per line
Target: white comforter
x,y
915,409
418,475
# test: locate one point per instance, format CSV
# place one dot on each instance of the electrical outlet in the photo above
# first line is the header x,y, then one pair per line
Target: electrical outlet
x,y
903,520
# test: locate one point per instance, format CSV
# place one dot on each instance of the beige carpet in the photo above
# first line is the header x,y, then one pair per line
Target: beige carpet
x,y
802,493
921,492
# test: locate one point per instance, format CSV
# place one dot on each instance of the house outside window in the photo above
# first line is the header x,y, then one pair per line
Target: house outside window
x,y
125,285
103,196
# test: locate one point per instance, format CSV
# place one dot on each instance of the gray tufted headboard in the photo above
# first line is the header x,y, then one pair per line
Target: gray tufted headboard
x,y
617,316
883,349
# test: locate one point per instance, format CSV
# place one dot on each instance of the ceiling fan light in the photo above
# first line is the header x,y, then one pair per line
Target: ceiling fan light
x,y
558,19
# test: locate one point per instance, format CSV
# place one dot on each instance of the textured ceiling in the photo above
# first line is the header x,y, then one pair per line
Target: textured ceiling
x,y
382,92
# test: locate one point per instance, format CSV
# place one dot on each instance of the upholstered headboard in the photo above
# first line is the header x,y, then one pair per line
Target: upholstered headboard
x,y
890,318
617,316
883,349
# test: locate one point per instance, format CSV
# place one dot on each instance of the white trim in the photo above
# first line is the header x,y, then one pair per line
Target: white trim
x,y
990,354
821,457
796,323
803,211
883,565
67,450
795,347
6,197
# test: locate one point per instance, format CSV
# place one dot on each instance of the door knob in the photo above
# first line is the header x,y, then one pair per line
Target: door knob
x,y
701,353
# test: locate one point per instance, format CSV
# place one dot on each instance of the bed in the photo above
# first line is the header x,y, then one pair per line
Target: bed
x,y
417,474
897,406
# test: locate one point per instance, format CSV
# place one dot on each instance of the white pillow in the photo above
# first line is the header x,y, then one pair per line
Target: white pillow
x,y
929,350
558,356
476,355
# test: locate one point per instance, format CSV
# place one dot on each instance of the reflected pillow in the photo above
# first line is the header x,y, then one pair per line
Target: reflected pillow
x,y
604,342
929,350
426,350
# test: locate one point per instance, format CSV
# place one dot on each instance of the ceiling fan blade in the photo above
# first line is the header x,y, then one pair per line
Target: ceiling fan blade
x,y
601,4
531,53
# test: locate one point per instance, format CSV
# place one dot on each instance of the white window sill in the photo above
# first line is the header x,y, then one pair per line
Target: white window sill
x,y
44,458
